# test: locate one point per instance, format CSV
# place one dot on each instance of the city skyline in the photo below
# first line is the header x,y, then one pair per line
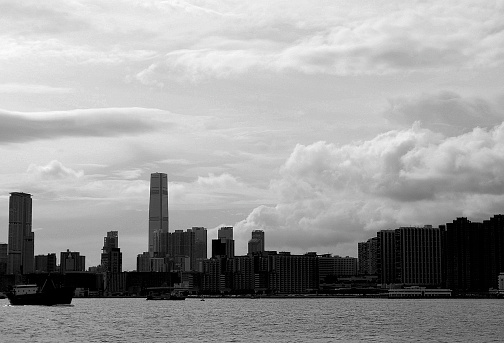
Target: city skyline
x,y
319,125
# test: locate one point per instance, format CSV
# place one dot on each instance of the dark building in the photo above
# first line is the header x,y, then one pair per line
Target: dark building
x,y
111,257
368,257
419,256
223,246
331,267
200,246
386,257
21,257
181,246
45,263
3,258
410,256
72,261
474,254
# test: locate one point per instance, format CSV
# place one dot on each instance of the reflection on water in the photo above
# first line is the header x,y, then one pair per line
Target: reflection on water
x,y
256,320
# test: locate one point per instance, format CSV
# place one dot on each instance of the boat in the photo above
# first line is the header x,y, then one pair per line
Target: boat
x,y
48,294
161,293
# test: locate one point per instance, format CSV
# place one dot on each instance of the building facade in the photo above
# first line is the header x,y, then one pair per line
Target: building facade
x,y
158,212
21,257
72,261
256,243
111,257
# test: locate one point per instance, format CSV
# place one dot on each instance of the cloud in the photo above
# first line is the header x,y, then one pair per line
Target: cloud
x,y
387,39
332,195
14,88
445,111
109,122
53,170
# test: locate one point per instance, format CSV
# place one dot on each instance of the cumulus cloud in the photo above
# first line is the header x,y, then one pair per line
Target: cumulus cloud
x,y
331,194
110,122
54,170
445,111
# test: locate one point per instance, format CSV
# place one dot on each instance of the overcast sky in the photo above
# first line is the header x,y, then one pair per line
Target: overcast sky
x,y
318,122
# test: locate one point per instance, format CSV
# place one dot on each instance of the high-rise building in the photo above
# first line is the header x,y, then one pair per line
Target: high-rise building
x,y
256,243
200,243
45,263
411,256
72,261
158,212
368,256
3,258
223,246
21,257
111,257
336,266
474,254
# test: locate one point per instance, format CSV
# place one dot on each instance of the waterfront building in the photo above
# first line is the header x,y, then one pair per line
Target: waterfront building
x,y
368,257
181,245
213,279
3,258
72,261
419,256
200,246
158,212
21,257
256,243
111,257
336,266
386,257
223,246
143,262
474,254
293,273
410,256
46,263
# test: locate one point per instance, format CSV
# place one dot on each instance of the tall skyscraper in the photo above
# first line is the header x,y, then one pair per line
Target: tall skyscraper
x,y
111,257
3,258
256,243
200,245
21,257
158,212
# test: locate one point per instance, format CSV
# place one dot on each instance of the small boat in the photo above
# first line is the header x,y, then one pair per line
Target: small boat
x,y
48,294
166,296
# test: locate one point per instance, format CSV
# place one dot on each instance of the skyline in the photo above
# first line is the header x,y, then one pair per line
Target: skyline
x,y
318,124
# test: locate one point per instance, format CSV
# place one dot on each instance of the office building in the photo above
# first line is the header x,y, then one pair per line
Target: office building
x,y
419,256
158,213
72,261
386,257
411,256
21,257
3,258
368,257
336,266
111,257
223,246
200,246
256,243
474,254
45,263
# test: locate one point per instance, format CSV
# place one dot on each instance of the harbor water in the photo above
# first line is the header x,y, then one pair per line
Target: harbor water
x,y
256,320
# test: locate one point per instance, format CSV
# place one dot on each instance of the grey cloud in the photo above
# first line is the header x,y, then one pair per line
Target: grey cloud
x,y
24,127
445,111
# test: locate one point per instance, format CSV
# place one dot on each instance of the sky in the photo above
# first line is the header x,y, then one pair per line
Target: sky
x,y
320,123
